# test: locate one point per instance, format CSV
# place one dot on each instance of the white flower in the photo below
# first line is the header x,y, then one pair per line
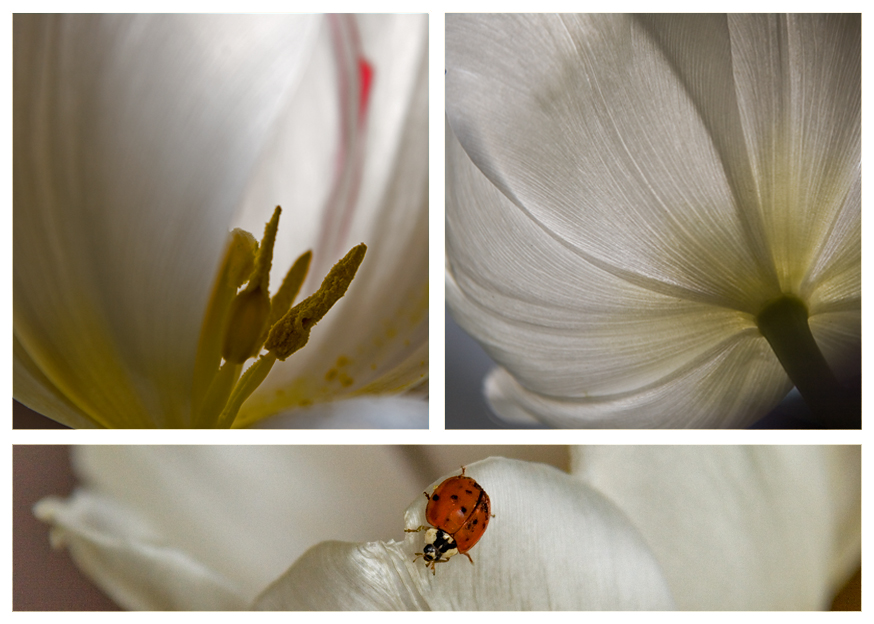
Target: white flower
x,y
140,141
629,198
631,528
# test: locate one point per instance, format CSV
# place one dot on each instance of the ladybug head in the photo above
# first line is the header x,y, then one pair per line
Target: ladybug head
x,y
439,546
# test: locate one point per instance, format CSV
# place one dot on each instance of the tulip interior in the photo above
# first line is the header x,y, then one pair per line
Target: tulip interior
x,y
242,319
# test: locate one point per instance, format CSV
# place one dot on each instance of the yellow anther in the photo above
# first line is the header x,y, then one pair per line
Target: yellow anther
x,y
292,331
260,277
247,320
239,258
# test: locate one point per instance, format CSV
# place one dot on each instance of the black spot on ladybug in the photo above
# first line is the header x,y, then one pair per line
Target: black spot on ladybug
x,y
454,497
435,497
475,521
464,510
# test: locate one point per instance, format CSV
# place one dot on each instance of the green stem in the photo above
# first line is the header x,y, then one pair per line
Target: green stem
x,y
784,325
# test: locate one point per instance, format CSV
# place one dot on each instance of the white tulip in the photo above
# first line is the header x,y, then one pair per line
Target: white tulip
x,y
239,527
652,220
140,141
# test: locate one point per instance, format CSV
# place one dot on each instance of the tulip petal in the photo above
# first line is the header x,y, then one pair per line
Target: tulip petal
x,y
586,347
798,85
553,544
111,546
135,137
34,389
375,340
596,139
243,513
355,413
740,528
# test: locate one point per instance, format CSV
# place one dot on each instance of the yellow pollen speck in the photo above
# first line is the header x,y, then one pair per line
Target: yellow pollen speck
x,y
331,374
342,361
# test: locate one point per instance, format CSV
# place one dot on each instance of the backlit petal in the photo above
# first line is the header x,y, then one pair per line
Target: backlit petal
x,y
135,138
375,340
587,347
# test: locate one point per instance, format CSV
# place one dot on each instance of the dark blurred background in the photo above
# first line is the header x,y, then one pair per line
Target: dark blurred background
x,y
44,579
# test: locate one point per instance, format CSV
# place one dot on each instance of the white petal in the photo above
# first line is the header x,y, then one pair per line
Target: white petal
x,y
109,545
798,84
552,545
35,390
375,340
586,347
135,138
592,134
741,528
237,513
356,413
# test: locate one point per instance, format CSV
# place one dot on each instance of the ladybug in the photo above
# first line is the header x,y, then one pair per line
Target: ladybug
x,y
458,511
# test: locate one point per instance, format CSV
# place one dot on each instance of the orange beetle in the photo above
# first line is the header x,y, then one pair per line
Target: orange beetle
x,y
458,511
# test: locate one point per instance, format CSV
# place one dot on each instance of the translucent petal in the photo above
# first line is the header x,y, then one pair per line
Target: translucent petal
x,y
553,544
730,387
135,138
735,527
580,338
599,142
375,340
798,84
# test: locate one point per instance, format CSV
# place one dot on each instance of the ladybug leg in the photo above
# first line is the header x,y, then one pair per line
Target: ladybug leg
x,y
435,562
468,556
462,471
421,528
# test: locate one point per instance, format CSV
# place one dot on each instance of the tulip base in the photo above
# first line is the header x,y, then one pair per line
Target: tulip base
x,y
784,325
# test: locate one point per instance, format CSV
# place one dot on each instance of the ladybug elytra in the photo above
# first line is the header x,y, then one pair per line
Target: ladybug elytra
x,y
458,511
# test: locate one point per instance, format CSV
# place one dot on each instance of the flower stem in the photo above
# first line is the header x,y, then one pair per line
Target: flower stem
x,y
784,325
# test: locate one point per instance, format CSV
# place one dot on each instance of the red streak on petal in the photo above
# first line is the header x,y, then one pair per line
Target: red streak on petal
x,y
365,73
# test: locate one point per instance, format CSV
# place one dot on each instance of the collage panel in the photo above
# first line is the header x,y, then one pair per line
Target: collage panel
x,y
654,221
221,221
437,527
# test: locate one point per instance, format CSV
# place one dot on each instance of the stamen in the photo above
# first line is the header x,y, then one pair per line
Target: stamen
x,y
292,331
247,319
236,267
290,288
237,324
